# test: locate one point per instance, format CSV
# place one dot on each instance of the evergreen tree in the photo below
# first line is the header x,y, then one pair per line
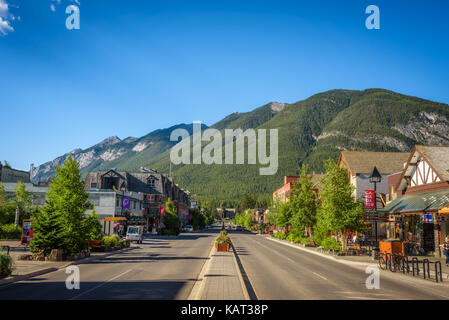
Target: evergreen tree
x,y
66,201
48,227
339,212
93,227
303,202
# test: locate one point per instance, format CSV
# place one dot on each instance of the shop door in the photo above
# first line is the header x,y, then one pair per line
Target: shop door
x,y
428,238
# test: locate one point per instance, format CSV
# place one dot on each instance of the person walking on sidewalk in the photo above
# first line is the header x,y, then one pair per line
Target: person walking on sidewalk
x,y
445,247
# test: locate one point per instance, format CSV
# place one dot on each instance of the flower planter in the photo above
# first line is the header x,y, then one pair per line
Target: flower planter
x,y
222,247
94,244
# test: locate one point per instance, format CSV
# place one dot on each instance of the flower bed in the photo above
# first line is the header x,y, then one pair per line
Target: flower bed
x,y
223,242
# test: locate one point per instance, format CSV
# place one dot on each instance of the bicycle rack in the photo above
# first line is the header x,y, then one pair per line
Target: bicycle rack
x,y
415,261
438,264
425,263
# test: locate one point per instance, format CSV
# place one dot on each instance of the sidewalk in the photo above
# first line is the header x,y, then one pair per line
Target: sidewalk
x,y
220,279
23,269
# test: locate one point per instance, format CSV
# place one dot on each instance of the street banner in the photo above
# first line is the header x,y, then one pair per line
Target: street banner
x,y
163,211
370,198
27,232
126,203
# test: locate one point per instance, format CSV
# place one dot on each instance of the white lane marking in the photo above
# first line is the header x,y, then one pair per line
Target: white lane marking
x,y
101,284
319,275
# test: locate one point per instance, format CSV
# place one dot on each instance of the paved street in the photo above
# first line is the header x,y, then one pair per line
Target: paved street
x,y
160,268
280,272
167,267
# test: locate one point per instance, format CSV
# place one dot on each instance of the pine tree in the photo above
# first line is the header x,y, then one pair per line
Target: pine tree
x,y
66,201
48,227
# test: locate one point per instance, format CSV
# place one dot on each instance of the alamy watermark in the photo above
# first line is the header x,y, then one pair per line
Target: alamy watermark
x,y
212,153
373,20
373,280
73,280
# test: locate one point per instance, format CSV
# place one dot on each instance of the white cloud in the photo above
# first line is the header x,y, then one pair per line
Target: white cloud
x,y
5,27
5,18
3,8
52,7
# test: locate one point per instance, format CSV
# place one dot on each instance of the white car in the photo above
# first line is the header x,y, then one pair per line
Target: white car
x,y
188,228
135,233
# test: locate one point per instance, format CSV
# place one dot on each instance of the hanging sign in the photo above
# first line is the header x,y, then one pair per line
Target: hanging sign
x,y
370,199
126,203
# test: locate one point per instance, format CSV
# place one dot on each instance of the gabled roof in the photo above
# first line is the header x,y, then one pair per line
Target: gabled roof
x,y
364,161
438,158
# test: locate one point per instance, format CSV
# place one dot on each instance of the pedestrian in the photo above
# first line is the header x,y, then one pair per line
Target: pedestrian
x,y
445,247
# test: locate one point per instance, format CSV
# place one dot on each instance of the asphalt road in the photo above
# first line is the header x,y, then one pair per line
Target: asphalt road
x,y
160,268
280,272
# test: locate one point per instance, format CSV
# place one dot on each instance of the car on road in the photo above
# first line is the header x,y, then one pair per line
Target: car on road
x,y
135,233
188,228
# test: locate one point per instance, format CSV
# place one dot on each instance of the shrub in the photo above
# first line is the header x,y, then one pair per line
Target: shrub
x,y
223,239
5,265
111,241
7,231
280,235
331,244
93,227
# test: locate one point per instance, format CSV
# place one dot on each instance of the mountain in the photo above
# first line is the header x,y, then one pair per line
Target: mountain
x,y
310,131
113,152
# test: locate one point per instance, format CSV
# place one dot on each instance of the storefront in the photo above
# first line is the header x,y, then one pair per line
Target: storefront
x,y
420,221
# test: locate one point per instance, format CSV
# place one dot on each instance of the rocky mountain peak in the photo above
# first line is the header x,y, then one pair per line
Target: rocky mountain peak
x,y
277,106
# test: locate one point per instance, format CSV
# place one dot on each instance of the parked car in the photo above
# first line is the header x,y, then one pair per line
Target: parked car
x,y
188,228
135,233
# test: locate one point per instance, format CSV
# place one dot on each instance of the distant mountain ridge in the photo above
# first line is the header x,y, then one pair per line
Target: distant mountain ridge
x,y
310,131
111,150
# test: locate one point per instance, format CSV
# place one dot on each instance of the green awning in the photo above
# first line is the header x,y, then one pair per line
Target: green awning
x,y
430,201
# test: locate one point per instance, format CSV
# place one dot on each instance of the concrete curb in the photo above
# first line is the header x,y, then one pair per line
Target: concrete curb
x,y
10,280
198,287
239,272
347,262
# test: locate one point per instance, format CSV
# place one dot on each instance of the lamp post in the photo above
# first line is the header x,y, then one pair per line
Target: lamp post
x,y
375,178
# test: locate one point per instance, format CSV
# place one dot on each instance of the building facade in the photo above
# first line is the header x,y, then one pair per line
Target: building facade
x,y
154,188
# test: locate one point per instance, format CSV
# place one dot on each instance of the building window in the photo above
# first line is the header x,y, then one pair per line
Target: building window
x,y
93,185
151,182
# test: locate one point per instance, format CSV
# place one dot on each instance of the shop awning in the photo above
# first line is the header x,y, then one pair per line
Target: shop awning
x,y
430,201
114,219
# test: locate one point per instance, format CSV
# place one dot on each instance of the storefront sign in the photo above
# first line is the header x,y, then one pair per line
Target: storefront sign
x,y
370,199
372,216
427,218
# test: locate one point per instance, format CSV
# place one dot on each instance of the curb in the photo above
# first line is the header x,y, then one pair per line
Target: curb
x,y
198,287
347,262
10,280
240,270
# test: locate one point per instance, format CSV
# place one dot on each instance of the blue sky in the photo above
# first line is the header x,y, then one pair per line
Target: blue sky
x,y
136,66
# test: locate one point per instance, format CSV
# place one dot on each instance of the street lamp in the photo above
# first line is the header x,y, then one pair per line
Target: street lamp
x,y
375,178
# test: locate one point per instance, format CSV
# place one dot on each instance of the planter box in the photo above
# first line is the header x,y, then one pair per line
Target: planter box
x,y
94,244
222,247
